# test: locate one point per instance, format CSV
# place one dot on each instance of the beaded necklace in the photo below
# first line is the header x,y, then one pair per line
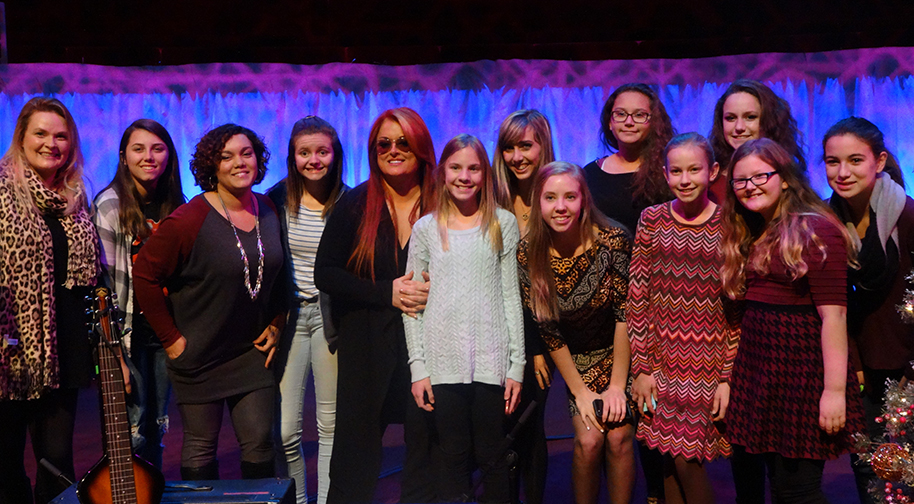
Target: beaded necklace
x,y
255,290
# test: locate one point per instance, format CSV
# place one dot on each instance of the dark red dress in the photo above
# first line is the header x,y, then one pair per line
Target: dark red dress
x,y
778,376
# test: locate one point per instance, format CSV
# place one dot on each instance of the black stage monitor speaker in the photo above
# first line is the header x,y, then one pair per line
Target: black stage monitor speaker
x,y
262,491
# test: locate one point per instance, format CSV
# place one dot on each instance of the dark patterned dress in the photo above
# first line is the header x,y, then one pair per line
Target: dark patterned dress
x,y
592,289
679,331
778,375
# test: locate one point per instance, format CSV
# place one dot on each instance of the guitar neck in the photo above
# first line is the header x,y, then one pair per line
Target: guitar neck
x,y
117,425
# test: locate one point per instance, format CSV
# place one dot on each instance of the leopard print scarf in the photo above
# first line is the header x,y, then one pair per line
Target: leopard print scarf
x,y
82,240
28,349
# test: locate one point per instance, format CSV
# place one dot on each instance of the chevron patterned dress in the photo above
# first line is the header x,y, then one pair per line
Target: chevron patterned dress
x,y
679,331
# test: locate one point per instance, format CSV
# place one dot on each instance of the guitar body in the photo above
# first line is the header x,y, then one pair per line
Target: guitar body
x,y
95,487
120,477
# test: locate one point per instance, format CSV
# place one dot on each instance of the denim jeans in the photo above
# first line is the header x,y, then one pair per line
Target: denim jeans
x,y
147,407
304,348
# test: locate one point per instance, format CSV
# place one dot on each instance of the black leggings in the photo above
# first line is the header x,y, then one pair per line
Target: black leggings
x,y
467,417
791,480
252,419
49,421
530,444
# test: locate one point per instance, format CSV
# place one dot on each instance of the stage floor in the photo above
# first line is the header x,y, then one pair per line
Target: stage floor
x,y
838,480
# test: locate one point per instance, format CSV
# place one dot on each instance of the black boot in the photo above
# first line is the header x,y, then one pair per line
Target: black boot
x,y
258,470
207,472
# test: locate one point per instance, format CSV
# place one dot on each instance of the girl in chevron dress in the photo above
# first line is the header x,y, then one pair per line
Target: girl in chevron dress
x,y
683,345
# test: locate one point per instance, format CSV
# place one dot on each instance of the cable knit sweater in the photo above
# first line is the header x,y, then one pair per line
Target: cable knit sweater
x,y
472,327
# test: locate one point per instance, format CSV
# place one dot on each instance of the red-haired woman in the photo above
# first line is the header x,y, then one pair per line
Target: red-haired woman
x,y
361,264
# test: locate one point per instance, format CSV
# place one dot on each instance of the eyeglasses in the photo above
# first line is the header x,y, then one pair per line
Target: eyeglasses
x,y
757,180
385,144
638,117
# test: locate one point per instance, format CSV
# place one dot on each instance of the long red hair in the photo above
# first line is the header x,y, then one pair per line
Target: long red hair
x,y
420,141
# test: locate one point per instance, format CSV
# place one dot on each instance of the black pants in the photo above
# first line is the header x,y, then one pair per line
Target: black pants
x,y
49,421
791,480
530,444
467,417
361,420
252,419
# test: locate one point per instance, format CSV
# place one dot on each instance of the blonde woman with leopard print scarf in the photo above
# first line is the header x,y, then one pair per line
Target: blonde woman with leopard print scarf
x,y
48,260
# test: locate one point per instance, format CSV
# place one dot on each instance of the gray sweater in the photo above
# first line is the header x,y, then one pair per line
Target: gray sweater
x,y
472,327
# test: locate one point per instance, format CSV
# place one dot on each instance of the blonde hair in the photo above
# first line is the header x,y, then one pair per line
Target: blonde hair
x,y
487,201
512,131
750,243
69,178
543,297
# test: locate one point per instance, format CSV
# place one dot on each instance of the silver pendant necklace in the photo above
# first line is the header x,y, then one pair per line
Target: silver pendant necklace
x,y
255,290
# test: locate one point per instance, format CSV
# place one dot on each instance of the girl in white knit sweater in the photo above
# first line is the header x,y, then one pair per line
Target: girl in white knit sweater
x,y
466,351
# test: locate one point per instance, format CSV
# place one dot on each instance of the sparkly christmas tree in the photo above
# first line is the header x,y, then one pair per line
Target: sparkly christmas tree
x,y
890,457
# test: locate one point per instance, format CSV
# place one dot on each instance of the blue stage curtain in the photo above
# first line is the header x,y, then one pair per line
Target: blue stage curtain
x,y
455,98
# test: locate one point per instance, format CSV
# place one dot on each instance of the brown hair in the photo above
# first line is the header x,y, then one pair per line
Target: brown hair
x,y
749,241
648,183
295,181
208,154
168,192
776,122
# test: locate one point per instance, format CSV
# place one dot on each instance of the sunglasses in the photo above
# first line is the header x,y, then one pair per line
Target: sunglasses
x,y
385,144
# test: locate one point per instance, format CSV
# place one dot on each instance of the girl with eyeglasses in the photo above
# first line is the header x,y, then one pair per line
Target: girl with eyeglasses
x,y
304,200
524,145
870,200
746,111
361,264
793,396
634,124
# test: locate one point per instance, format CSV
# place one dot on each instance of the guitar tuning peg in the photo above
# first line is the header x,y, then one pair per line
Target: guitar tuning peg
x,y
87,299
114,296
89,311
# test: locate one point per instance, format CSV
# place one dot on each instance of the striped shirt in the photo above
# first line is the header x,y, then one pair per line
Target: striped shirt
x,y
305,231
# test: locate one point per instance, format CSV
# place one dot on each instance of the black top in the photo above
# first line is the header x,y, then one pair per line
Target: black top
x,y
74,347
371,340
612,195
194,254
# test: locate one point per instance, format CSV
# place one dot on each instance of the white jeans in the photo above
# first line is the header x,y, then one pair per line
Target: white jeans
x,y
306,349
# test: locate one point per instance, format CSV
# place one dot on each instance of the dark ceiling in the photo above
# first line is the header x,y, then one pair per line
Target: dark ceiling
x,y
170,32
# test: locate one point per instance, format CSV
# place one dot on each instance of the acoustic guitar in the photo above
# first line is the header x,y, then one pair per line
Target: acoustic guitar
x,y
120,477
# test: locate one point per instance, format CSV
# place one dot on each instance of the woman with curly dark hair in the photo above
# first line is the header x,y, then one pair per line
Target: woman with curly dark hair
x,y
219,257
746,111
635,125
